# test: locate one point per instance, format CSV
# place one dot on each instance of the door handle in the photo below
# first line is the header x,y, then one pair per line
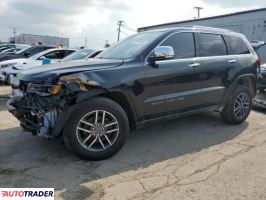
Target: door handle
x,y
232,61
194,65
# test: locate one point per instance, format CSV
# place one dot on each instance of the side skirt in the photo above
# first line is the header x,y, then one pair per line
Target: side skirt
x,y
178,115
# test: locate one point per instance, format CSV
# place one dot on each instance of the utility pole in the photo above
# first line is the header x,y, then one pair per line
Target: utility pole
x,y
14,34
120,23
198,10
86,41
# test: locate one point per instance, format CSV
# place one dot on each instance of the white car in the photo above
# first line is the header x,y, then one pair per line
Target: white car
x,y
14,66
82,54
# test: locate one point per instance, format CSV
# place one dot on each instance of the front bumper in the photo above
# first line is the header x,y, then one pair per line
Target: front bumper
x,y
32,117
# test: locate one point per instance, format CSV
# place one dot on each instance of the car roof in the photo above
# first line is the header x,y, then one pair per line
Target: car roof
x,y
195,29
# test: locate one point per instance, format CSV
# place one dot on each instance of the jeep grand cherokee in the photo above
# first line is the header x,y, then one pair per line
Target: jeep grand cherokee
x,y
146,78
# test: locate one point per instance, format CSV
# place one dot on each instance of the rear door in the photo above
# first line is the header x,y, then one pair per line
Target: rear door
x,y
216,67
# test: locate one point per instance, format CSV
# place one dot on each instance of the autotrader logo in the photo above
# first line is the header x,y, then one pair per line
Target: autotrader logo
x,y
27,193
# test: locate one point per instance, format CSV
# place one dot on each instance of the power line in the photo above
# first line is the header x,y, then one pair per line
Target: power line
x,y
120,23
129,28
124,33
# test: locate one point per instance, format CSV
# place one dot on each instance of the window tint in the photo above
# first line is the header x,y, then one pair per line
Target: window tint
x,y
68,52
211,45
236,45
55,54
183,45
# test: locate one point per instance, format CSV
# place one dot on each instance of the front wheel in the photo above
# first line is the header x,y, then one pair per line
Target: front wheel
x,y
97,129
238,106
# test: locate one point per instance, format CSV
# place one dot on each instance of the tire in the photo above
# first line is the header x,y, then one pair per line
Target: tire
x,y
230,113
97,147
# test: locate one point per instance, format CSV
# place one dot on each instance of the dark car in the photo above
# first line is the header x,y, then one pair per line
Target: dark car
x,y
25,53
261,51
262,81
149,77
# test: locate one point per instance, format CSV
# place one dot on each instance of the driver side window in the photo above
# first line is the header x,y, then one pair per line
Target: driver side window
x,y
183,45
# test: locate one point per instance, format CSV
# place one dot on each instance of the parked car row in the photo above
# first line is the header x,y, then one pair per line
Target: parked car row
x,y
34,56
149,77
11,48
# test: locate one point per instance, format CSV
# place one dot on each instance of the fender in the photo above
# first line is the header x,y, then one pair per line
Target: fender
x,y
80,97
252,81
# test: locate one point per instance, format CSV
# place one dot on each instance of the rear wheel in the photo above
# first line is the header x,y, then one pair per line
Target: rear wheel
x,y
238,106
97,129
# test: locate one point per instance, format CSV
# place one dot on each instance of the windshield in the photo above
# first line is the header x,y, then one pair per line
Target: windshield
x,y
23,50
131,46
81,54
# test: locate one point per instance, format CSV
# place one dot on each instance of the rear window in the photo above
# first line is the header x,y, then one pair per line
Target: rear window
x,y
211,45
236,45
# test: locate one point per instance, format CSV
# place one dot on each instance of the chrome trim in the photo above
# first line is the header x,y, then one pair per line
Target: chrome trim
x,y
194,65
251,52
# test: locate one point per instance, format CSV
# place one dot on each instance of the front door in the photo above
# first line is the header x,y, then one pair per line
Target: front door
x,y
174,85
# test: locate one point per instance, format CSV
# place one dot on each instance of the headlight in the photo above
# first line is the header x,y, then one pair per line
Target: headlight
x,y
7,65
44,90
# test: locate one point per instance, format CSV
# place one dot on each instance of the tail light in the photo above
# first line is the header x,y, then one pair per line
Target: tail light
x,y
260,61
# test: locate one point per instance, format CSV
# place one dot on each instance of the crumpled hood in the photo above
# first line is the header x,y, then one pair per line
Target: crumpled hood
x,y
48,73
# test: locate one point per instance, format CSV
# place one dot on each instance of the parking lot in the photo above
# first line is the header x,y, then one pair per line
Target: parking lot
x,y
197,157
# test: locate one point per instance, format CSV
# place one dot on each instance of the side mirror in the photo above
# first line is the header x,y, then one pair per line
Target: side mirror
x,y
161,53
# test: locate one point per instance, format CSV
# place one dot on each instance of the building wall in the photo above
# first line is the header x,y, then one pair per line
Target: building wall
x,y
251,24
46,40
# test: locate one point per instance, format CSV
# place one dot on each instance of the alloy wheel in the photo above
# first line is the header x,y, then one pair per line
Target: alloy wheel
x,y
241,105
97,131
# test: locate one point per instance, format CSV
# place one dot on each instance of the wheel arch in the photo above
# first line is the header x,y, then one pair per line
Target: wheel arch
x,y
248,80
121,99
116,96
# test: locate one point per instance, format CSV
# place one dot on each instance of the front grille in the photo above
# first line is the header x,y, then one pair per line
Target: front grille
x,y
23,86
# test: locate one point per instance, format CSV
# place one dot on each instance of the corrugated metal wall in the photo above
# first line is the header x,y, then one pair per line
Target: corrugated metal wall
x,y
251,24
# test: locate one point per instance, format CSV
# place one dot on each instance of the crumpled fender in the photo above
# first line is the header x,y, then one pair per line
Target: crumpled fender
x,y
78,82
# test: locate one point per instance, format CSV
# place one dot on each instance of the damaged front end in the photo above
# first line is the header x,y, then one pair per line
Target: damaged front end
x,y
43,109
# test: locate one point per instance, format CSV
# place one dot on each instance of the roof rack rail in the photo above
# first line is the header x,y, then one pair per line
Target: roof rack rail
x,y
207,27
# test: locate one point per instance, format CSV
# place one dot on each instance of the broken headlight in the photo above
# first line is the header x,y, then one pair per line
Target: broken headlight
x,y
44,90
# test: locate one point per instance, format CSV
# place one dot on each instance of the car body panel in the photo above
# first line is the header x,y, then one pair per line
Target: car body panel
x,y
153,91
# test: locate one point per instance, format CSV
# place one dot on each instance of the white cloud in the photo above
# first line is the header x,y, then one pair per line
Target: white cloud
x,y
96,19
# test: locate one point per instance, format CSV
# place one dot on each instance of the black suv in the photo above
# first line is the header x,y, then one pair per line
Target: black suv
x,y
148,77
